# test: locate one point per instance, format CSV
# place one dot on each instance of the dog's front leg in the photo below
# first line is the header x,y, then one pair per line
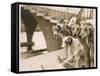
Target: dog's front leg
x,y
77,62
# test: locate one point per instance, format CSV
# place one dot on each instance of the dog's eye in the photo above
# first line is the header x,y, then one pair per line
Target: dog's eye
x,y
77,28
85,29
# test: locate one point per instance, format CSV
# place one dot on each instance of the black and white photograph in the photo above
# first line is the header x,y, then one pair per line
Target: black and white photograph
x,y
55,37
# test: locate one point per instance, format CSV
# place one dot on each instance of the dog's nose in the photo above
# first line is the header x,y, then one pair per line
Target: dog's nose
x,y
75,35
81,34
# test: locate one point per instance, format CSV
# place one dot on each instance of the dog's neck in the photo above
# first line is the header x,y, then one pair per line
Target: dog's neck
x,y
85,41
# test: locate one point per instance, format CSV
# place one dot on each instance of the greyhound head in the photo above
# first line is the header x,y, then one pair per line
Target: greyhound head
x,y
86,30
76,28
56,29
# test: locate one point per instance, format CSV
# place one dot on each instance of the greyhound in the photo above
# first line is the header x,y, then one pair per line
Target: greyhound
x,y
87,38
74,53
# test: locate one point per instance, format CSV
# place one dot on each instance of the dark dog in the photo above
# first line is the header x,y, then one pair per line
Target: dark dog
x,y
87,37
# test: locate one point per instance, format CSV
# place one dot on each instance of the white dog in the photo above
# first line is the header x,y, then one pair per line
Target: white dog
x,y
74,52
74,26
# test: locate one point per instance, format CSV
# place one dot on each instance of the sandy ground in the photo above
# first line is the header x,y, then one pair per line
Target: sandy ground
x,y
43,61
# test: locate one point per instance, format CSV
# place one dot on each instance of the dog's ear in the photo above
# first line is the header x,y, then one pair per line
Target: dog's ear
x,y
59,28
68,41
91,28
91,31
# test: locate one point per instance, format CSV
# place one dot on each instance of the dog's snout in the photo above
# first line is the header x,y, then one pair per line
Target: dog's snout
x,y
69,38
75,35
79,34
